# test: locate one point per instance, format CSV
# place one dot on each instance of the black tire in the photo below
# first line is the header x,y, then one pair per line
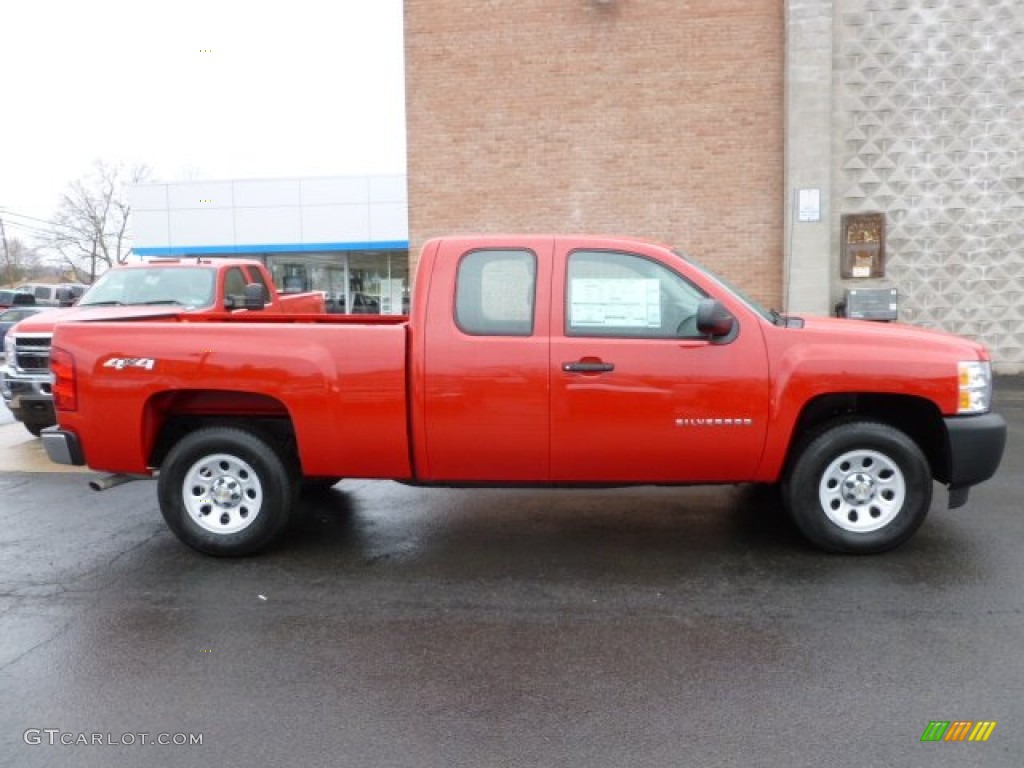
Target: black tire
x,y
35,429
858,487
225,491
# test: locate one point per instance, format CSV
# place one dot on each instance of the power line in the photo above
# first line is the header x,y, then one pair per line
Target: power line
x,y
31,229
12,214
8,212
54,227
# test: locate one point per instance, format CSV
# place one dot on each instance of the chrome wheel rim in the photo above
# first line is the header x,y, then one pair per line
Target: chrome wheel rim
x,y
222,494
862,491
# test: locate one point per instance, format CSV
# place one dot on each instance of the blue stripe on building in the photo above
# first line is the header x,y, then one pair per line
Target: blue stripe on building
x,y
224,250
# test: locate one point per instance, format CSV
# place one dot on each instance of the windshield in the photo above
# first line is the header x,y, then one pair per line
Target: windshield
x,y
768,314
188,286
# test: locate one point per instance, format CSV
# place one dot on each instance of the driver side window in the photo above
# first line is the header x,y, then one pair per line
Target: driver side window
x,y
624,295
234,282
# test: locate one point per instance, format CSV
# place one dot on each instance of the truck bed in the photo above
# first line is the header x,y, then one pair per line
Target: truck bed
x,y
344,381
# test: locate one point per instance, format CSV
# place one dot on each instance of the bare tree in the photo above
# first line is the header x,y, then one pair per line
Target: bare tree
x,y
20,261
90,226
8,264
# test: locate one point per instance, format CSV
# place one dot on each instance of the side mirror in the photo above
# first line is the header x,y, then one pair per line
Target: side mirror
x,y
713,319
254,299
255,296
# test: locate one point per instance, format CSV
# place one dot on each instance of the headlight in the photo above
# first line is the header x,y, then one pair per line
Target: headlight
x,y
9,349
975,387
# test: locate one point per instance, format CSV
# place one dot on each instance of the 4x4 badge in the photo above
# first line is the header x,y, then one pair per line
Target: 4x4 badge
x,y
120,363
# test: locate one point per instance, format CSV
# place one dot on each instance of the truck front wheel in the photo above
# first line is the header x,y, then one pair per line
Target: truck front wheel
x,y
225,491
859,487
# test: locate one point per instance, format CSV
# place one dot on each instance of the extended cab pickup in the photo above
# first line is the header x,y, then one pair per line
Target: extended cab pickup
x,y
539,361
211,286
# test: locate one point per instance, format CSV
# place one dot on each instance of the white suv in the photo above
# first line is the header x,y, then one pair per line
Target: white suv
x,y
54,295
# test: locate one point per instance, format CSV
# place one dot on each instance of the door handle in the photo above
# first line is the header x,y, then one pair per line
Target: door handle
x,y
588,366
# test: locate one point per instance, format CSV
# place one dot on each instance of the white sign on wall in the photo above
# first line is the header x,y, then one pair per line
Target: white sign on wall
x,y
809,205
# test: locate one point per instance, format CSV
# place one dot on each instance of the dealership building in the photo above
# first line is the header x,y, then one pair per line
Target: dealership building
x,y
346,236
816,152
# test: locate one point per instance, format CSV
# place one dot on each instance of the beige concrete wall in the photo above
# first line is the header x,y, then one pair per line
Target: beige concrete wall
x,y
809,261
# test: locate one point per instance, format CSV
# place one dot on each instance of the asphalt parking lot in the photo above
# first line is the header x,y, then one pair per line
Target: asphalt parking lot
x,y
406,627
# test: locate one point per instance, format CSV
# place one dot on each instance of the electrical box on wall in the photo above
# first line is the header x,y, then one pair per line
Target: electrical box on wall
x,y
871,303
863,245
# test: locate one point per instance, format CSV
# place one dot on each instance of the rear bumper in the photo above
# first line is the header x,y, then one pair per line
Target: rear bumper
x,y
62,447
976,446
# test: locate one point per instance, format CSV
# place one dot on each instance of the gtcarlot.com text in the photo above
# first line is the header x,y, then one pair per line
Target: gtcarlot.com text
x,y
57,737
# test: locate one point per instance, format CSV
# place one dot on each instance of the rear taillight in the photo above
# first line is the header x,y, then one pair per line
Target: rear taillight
x,y
65,391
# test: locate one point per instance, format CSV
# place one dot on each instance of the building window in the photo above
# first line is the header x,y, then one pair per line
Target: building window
x,y
357,282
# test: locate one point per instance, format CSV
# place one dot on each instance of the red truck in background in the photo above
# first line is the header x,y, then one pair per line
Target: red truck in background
x,y
538,361
197,286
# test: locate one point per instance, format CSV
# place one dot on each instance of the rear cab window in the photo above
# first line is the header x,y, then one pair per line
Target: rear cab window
x,y
495,293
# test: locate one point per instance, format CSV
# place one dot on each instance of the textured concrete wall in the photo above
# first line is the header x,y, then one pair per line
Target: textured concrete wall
x,y
928,127
809,254
657,118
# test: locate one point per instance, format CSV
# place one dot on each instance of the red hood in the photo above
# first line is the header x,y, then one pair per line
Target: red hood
x,y
44,321
906,337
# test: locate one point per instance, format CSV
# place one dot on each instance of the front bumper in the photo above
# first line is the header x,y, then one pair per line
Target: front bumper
x,y
62,446
29,398
976,446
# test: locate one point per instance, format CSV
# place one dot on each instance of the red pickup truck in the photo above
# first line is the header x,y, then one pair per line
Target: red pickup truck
x,y
538,361
210,286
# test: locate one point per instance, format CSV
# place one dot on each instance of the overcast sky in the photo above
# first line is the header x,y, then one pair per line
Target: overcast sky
x,y
196,89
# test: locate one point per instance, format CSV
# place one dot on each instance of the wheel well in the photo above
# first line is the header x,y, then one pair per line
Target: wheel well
x,y
918,418
172,415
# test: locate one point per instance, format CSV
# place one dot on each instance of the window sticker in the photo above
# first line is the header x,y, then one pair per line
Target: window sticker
x,y
615,303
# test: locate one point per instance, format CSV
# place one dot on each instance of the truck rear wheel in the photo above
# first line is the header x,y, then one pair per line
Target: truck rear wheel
x,y
859,487
225,491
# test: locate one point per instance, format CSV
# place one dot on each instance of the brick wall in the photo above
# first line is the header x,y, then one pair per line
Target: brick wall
x,y
655,118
